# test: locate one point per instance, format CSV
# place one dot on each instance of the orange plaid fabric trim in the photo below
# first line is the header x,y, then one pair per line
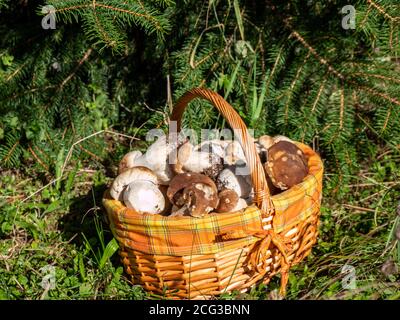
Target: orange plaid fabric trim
x,y
180,236
155,234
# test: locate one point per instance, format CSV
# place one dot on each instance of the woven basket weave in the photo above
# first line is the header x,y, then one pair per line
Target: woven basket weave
x,y
198,258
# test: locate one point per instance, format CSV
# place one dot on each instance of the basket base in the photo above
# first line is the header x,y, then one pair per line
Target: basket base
x,y
204,277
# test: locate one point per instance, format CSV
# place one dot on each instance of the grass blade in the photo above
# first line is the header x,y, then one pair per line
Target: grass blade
x,y
111,248
261,98
238,18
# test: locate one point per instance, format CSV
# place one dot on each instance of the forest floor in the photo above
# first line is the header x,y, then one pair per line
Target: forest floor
x,y
57,245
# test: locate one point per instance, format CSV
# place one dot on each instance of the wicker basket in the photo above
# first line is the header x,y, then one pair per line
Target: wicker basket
x,y
192,258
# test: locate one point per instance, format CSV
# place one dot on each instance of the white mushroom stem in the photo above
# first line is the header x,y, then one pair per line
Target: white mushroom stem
x,y
128,161
156,159
128,176
144,197
282,138
240,205
234,153
229,179
176,211
191,160
265,142
213,146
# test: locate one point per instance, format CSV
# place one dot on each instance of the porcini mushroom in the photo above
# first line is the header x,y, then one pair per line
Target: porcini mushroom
x,y
189,160
128,161
213,146
130,175
241,204
234,153
280,138
228,200
193,193
144,197
229,179
168,205
155,158
266,142
286,165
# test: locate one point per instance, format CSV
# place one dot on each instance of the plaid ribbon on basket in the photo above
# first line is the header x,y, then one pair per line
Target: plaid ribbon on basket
x,y
179,236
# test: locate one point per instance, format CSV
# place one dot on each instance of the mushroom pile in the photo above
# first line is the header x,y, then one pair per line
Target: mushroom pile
x,y
182,179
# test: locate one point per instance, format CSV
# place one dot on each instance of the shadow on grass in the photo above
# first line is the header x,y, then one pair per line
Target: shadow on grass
x,y
86,220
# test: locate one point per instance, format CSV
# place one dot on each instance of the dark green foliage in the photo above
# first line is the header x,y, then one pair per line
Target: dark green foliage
x,y
287,68
336,89
55,88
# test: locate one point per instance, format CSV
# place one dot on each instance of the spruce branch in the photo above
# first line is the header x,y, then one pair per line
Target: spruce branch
x,y
317,98
290,90
192,63
128,12
369,9
72,74
377,93
389,112
109,7
16,71
382,11
37,158
337,73
314,52
378,76
9,154
274,68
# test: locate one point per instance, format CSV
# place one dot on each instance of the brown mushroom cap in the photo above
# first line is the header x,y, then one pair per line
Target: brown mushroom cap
x,y
286,165
273,190
228,200
195,191
197,200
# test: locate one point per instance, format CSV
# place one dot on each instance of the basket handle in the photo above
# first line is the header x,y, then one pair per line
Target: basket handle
x,y
262,197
